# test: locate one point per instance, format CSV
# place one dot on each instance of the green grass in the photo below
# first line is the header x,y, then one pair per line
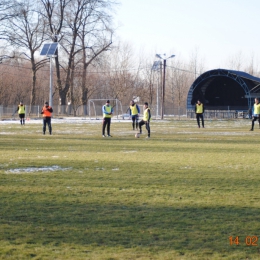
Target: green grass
x,y
179,195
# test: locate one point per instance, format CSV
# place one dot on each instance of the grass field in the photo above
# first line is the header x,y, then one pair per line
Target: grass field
x,y
179,195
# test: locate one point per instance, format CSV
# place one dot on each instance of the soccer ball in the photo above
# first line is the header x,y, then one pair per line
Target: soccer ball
x,y
137,135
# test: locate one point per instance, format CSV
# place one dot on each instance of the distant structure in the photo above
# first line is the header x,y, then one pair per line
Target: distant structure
x,y
223,89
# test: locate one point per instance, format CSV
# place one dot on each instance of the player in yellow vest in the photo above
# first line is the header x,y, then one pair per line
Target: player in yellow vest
x,y
107,114
134,111
21,112
146,120
199,110
256,113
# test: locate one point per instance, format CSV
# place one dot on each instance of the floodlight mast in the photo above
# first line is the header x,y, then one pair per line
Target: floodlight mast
x,y
163,85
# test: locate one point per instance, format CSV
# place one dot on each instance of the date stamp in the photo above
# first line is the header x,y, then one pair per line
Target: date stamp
x,y
249,241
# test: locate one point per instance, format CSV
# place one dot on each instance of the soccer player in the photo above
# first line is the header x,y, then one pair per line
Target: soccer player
x,y
21,112
146,120
46,113
199,110
256,113
134,111
107,114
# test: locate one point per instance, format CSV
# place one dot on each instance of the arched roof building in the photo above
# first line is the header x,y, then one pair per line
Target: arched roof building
x,y
223,89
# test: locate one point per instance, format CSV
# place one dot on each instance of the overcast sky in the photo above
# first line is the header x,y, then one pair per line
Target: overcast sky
x,y
218,29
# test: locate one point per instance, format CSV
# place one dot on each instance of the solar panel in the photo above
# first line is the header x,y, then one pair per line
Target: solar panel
x,y
52,48
45,48
49,49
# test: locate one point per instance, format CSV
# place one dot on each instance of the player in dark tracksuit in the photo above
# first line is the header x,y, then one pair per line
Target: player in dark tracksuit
x,y
256,114
47,113
21,112
134,111
107,114
199,110
146,120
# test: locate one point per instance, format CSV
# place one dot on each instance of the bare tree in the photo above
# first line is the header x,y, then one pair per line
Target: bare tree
x,y
120,73
195,64
81,25
14,81
252,67
97,23
6,12
53,11
7,8
26,31
235,62
179,81
150,83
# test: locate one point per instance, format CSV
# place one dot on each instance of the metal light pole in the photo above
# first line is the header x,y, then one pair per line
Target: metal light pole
x,y
50,96
163,84
157,66
51,81
49,50
157,95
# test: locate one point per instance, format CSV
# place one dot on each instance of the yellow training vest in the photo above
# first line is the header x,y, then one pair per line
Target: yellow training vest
x,y
21,109
257,109
134,110
146,114
108,110
199,108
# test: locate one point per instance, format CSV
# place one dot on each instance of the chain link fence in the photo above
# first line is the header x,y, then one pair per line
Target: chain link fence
x,y
120,112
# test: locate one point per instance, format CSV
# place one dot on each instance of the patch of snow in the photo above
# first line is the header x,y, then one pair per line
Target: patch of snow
x,y
68,120
37,169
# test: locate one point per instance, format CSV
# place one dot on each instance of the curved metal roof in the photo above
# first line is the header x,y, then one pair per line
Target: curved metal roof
x,y
238,81
245,75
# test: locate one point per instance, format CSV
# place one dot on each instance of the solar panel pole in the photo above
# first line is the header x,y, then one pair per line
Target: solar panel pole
x,y
50,97
49,50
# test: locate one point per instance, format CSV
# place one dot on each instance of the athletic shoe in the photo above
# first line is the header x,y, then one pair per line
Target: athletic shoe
x,y
109,136
148,137
251,129
103,135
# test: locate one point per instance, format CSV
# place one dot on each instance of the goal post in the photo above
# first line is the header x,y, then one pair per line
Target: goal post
x,y
95,107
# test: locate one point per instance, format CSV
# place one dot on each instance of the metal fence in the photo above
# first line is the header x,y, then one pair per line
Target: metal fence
x,y
218,114
119,112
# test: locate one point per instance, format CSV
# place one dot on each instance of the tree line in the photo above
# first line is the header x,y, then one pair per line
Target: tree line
x,y
90,62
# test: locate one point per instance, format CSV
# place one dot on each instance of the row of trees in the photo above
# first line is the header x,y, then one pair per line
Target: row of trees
x,y
83,29
90,62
